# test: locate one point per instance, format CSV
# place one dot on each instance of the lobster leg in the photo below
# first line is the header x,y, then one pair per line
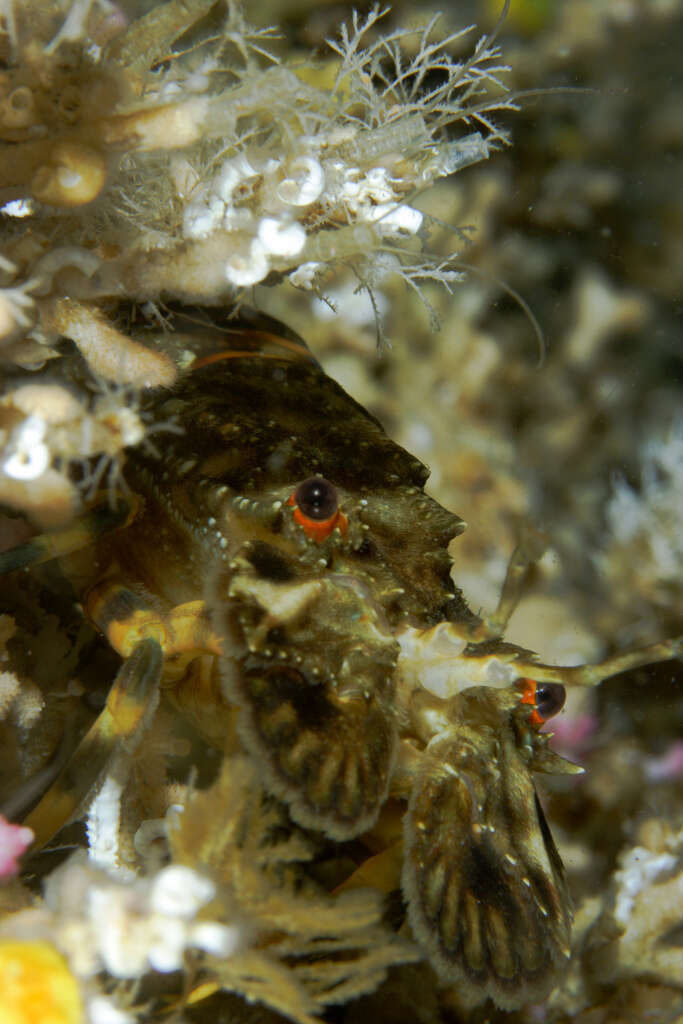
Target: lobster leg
x,y
125,618
154,645
592,675
120,726
530,548
99,520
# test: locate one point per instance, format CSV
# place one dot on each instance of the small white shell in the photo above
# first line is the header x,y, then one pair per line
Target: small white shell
x,y
304,275
202,216
247,265
231,174
393,220
304,183
281,238
29,456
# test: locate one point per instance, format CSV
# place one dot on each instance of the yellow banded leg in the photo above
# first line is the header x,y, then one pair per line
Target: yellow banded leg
x,y
189,645
101,519
128,711
153,643
125,618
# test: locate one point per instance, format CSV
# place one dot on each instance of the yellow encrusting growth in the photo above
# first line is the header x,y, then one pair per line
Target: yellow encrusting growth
x,y
36,986
74,175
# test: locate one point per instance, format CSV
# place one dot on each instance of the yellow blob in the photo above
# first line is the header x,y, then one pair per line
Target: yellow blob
x,y
527,16
36,985
74,175
321,75
203,991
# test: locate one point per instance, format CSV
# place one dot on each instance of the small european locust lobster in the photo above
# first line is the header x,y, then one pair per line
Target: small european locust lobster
x,y
285,581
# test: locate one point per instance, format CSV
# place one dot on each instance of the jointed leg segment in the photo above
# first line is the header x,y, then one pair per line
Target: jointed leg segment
x,y
128,711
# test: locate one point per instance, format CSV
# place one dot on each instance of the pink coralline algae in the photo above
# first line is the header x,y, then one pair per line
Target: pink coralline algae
x,y
14,840
669,766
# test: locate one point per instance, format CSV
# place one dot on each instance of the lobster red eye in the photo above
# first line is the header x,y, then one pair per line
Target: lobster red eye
x,y
317,498
546,699
550,698
316,508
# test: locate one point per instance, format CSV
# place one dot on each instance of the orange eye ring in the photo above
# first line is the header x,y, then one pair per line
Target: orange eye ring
x,y
546,699
319,530
316,510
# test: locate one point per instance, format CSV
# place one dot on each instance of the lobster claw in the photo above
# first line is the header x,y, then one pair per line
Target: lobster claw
x,y
485,886
312,670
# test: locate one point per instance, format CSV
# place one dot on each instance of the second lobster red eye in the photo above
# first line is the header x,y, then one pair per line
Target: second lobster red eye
x,y
316,508
546,699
